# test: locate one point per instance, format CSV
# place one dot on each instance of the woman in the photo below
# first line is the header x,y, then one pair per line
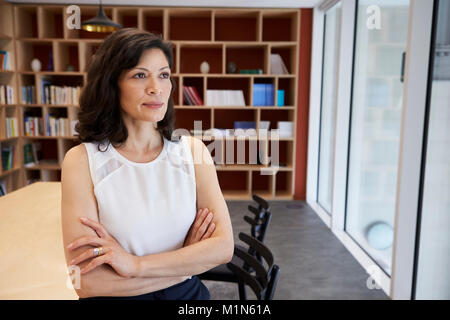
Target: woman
x,y
131,196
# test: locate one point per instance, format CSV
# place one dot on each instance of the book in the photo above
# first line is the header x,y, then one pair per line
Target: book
x,y
194,93
259,95
225,98
280,98
244,125
28,155
11,127
3,57
28,94
2,95
251,71
5,61
264,125
286,129
277,65
37,151
263,94
45,83
9,94
187,99
269,94
2,188
7,157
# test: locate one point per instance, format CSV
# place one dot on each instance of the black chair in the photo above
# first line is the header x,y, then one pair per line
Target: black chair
x,y
263,206
259,225
260,222
264,279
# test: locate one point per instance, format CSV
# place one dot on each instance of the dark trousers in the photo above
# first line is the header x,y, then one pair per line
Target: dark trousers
x,y
190,289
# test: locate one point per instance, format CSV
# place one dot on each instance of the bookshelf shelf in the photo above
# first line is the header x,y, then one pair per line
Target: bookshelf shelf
x,y
8,139
247,37
9,172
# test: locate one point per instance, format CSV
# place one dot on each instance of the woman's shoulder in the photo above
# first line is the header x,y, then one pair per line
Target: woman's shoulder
x,y
76,159
193,142
76,153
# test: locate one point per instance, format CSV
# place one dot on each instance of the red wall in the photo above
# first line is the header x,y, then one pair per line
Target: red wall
x,y
303,103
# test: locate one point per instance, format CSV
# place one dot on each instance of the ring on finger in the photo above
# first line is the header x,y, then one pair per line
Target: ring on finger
x,y
98,251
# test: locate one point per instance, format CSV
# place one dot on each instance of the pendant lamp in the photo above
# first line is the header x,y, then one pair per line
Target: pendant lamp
x,y
100,23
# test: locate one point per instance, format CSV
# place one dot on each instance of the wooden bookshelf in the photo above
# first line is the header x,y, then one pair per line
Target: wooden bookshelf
x,y
246,37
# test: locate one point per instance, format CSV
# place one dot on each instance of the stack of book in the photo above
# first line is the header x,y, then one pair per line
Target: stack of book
x,y
56,127
244,126
12,130
225,98
191,96
5,60
216,132
7,157
6,94
286,129
263,94
31,154
33,126
29,95
51,94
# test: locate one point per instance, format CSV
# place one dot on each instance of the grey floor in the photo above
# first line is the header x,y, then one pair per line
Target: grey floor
x,y
314,264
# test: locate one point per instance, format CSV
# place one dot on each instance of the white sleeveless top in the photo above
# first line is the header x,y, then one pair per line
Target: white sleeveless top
x,y
147,207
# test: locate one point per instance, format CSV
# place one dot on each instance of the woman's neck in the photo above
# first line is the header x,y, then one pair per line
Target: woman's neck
x,y
143,137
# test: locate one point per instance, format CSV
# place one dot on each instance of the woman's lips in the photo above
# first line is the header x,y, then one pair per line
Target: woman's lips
x,y
153,105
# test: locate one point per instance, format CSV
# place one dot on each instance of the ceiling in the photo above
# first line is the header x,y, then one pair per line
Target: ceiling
x,y
192,3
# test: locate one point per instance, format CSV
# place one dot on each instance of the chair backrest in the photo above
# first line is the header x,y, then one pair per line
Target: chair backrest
x,y
263,280
261,220
259,227
262,207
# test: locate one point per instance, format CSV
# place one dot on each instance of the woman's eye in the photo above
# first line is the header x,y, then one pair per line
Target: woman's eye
x,y
137,75
165,75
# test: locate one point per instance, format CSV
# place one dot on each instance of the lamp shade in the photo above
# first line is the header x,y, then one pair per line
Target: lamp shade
x,y
100,23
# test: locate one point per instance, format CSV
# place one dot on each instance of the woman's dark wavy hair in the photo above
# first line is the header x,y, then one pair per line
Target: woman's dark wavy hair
x,y
100,112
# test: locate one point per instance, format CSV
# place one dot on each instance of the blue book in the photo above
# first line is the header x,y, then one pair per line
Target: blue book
x,y
244,125
280,98
259,95
47,118
269,94
44,97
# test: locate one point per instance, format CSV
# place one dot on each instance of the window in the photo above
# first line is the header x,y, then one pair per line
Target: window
x,y
332,31
375,123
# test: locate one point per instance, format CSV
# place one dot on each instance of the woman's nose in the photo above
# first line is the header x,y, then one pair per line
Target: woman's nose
x,y
153,90
153,87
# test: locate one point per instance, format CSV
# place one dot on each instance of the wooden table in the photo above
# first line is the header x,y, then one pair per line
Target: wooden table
x,y
32,262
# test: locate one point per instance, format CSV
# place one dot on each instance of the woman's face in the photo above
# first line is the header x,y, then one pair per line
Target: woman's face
x,y
145,89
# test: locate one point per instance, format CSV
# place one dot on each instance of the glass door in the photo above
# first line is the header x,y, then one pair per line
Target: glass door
x,y
432,278
375,124
332,32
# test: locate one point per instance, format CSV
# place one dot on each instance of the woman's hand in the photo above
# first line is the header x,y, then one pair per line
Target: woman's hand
x,y
124,263
201,229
